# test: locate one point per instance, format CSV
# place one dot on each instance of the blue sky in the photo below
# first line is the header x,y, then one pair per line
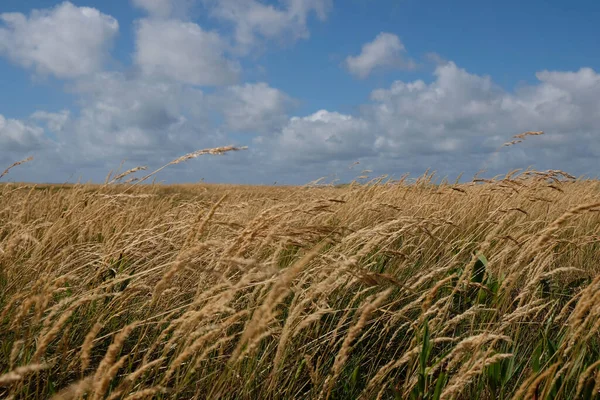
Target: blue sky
x,y
309,85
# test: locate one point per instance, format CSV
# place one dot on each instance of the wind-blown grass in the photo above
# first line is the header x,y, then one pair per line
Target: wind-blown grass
x,y
489,289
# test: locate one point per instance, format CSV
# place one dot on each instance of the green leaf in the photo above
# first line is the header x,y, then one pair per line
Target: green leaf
x,y
537,362
354,377
423,357
479,269
426,347
439,386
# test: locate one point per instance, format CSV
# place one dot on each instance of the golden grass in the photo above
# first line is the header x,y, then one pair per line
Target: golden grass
x,y
384,289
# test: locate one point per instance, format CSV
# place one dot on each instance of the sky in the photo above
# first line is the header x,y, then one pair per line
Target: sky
x,y
314,88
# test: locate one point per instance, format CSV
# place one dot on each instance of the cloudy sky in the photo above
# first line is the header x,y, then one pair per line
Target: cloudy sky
x,y
310,86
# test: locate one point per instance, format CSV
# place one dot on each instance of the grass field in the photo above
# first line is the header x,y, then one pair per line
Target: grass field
x,y
388,289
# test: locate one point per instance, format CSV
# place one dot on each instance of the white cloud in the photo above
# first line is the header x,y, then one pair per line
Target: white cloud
x,y
184,52
435,58
321,137
66,41
138,117
134,118
19,136
254,21
55,122
164,8
300,9
145,120
437,117
253,107
385,51
453,124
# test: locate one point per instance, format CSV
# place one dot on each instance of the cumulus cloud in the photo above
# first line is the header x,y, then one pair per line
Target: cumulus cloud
x,y
435,58
385,51
143,121
120,117
455,124
19,136
55,122
164,8
253,107
322,137
136,117
184,52
65,41
147,120
444,116
254,21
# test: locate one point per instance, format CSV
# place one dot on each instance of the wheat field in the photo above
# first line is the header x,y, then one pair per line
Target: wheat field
x,y
388,289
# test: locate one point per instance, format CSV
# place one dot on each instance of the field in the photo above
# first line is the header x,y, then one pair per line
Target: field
x,y
384,289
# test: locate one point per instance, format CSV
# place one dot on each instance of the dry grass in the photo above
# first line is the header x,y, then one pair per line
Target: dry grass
x,y
489,289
